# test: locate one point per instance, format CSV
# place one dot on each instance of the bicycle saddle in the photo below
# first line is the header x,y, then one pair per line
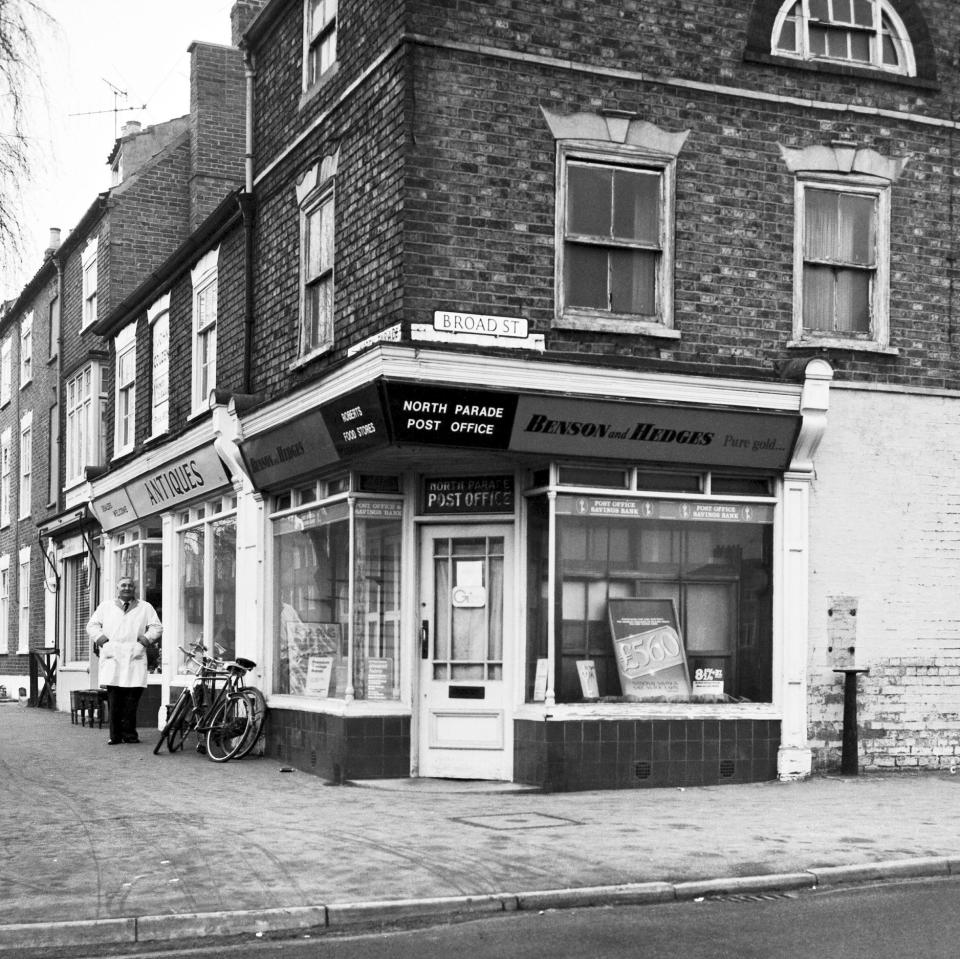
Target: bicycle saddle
x,y
245,663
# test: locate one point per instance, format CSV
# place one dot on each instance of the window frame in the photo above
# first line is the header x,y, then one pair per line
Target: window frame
x,y
89,267
314,39
316,189
204,279
158,318
25,504
24,560
6,469
882,10
88,411
627,157
878,335
5,603
6,370
125,391
26,350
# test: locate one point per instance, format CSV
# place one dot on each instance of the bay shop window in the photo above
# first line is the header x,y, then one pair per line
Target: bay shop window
x,y
656,588
337,579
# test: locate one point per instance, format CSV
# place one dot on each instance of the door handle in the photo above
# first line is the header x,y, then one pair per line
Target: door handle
x,y
425,639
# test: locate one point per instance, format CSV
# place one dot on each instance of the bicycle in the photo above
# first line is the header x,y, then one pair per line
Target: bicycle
x,y
227,721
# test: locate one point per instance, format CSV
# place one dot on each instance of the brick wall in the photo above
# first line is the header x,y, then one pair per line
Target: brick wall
x,y
885,529
217,137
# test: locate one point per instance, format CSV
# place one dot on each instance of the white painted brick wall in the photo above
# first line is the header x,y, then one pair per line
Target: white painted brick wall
x,y
885,529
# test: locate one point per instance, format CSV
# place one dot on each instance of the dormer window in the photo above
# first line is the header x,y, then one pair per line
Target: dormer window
x,y
864,33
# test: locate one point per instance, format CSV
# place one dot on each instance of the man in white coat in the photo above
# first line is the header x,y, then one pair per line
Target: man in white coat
x,y
121,630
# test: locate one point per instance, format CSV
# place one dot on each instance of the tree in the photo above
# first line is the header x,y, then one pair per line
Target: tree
x,y
19,76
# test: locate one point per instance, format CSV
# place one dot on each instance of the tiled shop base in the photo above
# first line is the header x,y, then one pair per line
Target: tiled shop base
x,y
339,748
634,754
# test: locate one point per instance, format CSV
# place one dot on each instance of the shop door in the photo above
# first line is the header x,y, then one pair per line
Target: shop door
x,y
466,634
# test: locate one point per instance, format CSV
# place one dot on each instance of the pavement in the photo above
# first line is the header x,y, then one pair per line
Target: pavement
x,y
106,844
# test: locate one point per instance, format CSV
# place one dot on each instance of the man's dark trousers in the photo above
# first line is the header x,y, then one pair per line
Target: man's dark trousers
x,y
122,702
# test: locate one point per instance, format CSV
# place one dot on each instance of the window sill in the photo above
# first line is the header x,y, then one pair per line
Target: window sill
x,y
198,414
615,323
338,707
26,383
836,343
840,69
311,93
308,358
74,668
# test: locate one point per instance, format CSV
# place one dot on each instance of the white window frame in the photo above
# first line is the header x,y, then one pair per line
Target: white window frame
x,y
315,191
26,465
800,13
319,41
6,462
158,319
582,317
205,289
88,266
83,419
125,396
26,349
5,603
6,370
879,304
23,600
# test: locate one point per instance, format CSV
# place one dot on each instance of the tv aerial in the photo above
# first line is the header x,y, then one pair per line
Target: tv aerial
x,y
117,109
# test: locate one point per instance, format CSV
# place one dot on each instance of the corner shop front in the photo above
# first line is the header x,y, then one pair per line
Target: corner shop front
x,y
487,568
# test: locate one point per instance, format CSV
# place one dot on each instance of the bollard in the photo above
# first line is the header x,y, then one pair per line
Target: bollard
x,y
849,764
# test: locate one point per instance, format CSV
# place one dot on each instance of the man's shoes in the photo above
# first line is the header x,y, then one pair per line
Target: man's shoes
x,y
114,742
132,739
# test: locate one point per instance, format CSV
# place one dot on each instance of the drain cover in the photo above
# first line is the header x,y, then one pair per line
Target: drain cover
x,y
523,820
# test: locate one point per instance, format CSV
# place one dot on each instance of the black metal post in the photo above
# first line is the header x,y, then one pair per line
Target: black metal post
x,y
849,760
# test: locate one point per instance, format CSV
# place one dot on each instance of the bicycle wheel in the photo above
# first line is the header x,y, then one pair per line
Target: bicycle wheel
x,y
258,712
186,721
174,721
228,727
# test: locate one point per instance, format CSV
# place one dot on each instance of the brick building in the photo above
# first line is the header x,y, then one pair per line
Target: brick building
x,y
551,303
569,391
168,180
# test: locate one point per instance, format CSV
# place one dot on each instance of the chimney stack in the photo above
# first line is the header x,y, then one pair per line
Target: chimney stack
x,y
54,244
242,14
130,128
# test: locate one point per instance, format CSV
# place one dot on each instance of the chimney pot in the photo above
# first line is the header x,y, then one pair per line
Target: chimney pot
x,y
130,128
54,237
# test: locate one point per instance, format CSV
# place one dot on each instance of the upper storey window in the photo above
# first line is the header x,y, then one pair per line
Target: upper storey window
x,y
319,39
866,33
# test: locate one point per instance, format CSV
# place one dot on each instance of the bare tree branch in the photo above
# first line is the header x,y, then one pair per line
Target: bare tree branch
x,y
20,21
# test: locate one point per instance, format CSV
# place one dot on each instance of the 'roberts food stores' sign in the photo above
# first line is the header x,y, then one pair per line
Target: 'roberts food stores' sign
x,y
174,483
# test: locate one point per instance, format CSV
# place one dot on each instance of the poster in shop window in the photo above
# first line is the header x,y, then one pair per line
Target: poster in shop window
x,y
649,649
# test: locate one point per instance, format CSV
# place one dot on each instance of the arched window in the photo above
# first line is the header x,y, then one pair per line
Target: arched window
x,y
866,33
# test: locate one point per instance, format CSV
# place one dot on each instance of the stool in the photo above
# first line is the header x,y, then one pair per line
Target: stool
x,y
74,706
88,703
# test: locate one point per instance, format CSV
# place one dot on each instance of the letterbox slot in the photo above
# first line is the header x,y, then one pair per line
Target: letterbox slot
x,y
467,692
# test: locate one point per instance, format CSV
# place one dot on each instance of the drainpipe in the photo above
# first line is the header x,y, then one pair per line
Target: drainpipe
x,y
247,212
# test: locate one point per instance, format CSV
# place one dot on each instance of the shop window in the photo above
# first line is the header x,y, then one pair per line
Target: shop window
x,y
587,476
739,485
864,33
204,281
714,577
337,615
139,556
666,482
76,587
319,40
208,564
